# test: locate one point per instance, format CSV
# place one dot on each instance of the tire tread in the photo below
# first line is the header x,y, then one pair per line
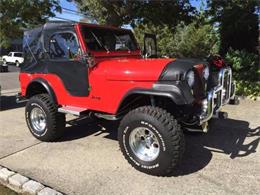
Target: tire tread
x,y
57,119
171,126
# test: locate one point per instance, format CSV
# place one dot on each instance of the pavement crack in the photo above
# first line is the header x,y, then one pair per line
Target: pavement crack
x,y
23,149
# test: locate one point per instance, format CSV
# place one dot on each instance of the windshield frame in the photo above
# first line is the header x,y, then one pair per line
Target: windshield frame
x,y
136,51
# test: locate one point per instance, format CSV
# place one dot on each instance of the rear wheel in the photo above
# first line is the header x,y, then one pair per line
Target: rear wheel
x,y
17,63
151,140
42,118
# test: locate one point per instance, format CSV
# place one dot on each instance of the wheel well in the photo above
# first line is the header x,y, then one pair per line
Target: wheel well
x,y
137,100
34,89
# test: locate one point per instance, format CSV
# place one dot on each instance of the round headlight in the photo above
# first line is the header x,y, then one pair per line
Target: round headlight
x,y
206,73
190,78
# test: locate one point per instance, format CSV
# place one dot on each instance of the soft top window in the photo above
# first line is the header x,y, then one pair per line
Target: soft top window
x,y
63,45
105,39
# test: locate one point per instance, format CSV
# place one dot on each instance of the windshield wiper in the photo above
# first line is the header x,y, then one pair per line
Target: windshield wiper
x,y
99,42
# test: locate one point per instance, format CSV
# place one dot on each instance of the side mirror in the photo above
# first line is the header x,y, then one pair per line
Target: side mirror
x,y
150,46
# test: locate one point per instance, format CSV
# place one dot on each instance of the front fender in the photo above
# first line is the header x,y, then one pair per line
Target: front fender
x,y
178,92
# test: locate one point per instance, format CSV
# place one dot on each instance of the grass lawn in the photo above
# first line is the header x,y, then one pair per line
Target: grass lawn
x,y
6,191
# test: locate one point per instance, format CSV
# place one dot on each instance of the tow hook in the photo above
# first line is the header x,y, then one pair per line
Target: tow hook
x,y
204,127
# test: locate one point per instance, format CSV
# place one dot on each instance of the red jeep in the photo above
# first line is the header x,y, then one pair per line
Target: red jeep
x,y
82,69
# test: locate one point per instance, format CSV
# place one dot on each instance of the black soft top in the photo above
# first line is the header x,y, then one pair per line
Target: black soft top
x,y
73,74
52,25
36,44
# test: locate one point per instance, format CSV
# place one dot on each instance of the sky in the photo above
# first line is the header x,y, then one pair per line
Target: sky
x,y
68,14
72,15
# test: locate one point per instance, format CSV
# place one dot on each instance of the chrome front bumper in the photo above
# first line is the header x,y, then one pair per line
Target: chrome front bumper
x,y
218,96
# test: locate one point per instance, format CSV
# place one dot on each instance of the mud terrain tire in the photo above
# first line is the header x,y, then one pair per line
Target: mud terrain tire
x,y
42,118
167,144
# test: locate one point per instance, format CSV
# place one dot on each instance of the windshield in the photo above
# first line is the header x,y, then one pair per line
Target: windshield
x,y
104,39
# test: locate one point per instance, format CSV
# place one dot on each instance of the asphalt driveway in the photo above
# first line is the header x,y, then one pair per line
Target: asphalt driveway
x,y
87,160
10,80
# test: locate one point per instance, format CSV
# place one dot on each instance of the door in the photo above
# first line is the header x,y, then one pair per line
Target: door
x,y
65,60
150,46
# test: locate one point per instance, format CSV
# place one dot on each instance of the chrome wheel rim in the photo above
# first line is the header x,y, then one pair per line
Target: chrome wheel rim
x,y
144,144
38,119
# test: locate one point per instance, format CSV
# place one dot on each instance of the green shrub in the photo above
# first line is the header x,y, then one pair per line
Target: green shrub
x,y
246,72
248,88
194,41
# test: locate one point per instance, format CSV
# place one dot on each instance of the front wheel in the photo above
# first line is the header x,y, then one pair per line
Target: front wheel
x,y
151,140
42,118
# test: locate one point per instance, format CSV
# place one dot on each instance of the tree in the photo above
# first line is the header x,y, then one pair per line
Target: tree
x,y
18,14
192,40
121,12
238,23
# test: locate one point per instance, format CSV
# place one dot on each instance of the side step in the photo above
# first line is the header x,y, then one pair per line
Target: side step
x,y
77,111
107,116
20,99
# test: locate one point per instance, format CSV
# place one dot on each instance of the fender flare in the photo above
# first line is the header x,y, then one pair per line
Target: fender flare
x,y
178,94
45,85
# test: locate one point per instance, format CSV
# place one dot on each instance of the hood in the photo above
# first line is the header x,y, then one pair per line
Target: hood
x,y
134,69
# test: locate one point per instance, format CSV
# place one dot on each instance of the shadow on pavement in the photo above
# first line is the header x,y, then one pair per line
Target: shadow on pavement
x,y
8,102
226,136
86,126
